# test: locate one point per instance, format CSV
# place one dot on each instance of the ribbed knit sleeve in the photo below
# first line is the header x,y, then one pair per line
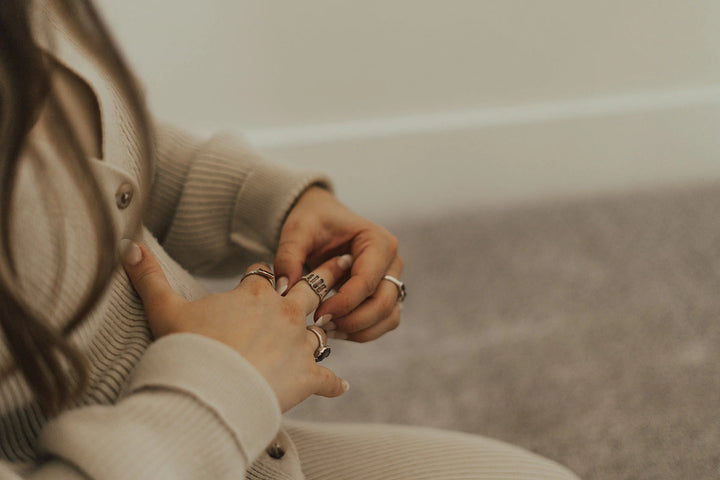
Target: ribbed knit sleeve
x,y
194,409
215,205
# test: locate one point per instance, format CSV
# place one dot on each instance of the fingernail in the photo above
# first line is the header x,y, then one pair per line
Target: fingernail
x,y
323,320
131,253
330,326
337,335
345,261
281,285
346,386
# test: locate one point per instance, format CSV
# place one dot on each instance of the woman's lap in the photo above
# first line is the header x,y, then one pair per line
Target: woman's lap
x,y
374,451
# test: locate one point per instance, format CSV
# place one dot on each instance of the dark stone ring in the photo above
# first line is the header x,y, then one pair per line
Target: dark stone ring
x,y
323,349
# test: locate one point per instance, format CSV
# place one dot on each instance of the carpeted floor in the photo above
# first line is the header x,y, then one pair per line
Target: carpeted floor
x,y
587,331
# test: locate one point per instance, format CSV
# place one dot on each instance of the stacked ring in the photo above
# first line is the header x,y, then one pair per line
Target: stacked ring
x,y
270,276
317,283
402,292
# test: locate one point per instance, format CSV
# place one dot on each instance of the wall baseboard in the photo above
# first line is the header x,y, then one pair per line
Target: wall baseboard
x,y
415,166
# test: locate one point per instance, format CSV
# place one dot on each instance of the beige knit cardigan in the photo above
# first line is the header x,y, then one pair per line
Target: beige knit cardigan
x,y
184,405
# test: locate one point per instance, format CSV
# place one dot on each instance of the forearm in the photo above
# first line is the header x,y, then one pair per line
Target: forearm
x,y
216,205
193,406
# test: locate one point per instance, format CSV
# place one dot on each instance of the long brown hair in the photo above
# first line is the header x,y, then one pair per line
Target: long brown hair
x,y
53,368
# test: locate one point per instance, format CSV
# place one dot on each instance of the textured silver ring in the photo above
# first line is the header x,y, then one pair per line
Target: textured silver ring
x,y
323,350
317,283
270,276
402,292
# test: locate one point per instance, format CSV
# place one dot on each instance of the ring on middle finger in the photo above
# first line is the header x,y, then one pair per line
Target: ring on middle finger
x,y
317,283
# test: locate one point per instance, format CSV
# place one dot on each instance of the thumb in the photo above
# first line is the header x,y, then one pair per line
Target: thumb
x,y
147,277
289,260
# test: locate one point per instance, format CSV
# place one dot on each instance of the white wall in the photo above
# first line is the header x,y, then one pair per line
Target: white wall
x,y
419,106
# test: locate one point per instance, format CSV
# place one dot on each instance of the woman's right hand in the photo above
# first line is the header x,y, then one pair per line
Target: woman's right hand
x,y
267,329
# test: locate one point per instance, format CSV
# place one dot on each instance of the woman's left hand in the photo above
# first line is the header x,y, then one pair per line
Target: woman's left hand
x,y
319,227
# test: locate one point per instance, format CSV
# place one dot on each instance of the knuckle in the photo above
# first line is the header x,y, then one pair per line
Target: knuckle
x,y
255,288
291,225
329,380
284,254
367,286
389,303
400,264
147,273
287,246
362,337
393,242
327,376
311,341
293,311
320,376
394,322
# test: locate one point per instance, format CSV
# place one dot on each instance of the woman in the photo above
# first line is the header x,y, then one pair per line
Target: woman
x,y
136,372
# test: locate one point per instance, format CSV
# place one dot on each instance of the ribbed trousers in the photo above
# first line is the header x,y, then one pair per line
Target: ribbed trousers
x,y
378,452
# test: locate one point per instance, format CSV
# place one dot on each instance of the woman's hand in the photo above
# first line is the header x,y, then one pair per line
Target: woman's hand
x,y
268,330
320,227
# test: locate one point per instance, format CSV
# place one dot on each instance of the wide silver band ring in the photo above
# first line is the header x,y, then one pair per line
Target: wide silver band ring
x,y
270,276
402,292
323,350
317,283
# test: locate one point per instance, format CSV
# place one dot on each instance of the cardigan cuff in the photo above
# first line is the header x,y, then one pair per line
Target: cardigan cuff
x,y
219,378
263,203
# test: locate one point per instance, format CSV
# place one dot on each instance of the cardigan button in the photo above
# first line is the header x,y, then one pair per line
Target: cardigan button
x,y
275,451
123,196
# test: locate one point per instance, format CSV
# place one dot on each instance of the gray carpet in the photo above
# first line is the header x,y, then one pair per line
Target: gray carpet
x,y
587,331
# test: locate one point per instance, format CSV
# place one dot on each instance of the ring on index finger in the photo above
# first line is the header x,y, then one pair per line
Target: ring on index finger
x,y
317,283
263,273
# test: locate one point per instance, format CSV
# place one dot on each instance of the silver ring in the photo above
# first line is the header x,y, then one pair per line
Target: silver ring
x,y
323,350
402,292
317,283
270,276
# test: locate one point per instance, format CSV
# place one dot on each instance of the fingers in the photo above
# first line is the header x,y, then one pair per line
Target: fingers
x,y
376,308
292,252
147,277
376,257
377,315
328,275
377,330
329,384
